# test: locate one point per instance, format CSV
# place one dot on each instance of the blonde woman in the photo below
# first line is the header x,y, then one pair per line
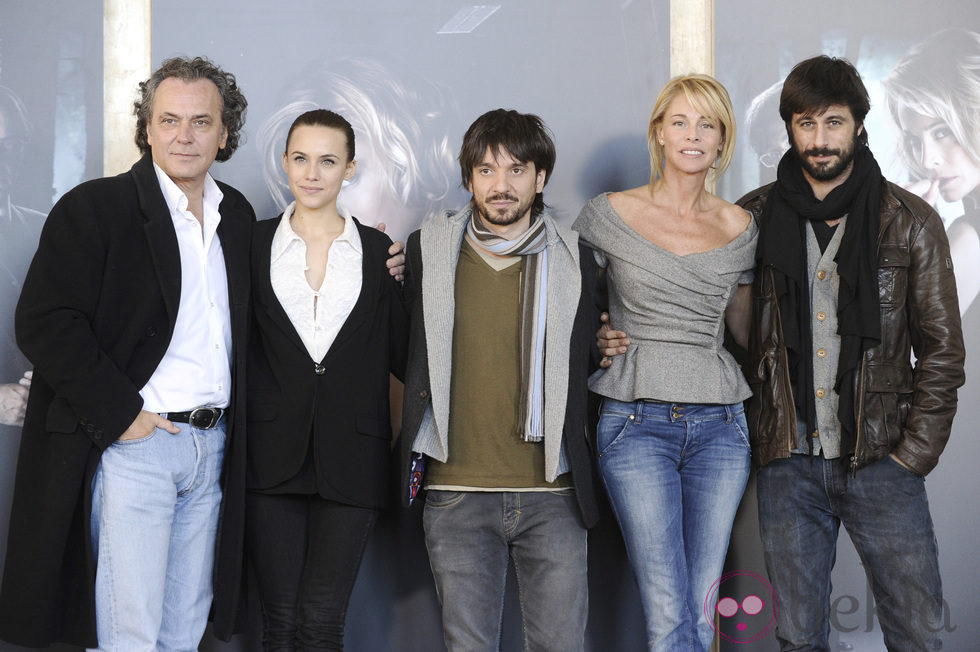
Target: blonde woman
x,y
672,439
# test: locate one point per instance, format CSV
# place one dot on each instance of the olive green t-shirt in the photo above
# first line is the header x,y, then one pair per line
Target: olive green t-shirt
x,y
485,446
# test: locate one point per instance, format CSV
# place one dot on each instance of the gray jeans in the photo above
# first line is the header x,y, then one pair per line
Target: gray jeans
x,y
472,535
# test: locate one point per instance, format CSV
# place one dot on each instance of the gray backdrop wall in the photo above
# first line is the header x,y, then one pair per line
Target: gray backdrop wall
x,y
411,77
50,141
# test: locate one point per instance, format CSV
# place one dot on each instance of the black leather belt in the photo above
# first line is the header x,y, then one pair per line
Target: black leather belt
x,y
202,418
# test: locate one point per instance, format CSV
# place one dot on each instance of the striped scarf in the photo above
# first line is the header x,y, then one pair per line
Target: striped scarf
x,y
533,243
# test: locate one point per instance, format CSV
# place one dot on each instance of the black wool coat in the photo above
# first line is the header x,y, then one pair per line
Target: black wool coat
x,y
95,318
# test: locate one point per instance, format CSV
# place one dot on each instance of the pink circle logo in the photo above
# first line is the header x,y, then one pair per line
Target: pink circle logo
x,y
754,610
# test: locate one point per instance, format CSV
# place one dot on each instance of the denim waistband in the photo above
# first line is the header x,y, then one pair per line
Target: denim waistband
x,y
644,409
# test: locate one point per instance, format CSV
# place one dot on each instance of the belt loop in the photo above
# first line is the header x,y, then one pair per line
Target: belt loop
x,y
638,411
729,414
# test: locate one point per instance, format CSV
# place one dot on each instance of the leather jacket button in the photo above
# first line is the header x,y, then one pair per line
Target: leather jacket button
x,y
151,332
97,435
319,369
424,393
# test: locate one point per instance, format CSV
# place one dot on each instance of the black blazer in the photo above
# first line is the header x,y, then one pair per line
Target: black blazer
x,y
581,408
95,317
339,405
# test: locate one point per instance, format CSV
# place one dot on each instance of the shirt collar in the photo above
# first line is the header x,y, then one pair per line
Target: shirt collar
x,y
177,200
285,235
350,234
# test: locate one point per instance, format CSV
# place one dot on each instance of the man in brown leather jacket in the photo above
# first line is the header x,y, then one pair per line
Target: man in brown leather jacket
x,y
854,276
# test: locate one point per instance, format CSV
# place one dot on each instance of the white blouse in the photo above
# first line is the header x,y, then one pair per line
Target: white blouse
x,y
317,315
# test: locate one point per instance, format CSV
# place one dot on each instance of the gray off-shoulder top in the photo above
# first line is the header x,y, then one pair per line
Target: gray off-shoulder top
x,y
673,310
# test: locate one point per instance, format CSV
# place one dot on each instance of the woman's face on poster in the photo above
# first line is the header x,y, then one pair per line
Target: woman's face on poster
x,y
369,197
951,168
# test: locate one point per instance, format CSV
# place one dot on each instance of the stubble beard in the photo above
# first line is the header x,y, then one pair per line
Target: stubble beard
x,y
831,170
502,218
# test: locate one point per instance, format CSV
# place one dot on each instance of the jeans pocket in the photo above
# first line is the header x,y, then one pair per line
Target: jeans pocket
x,y
613,428
740,426
436,498
891,460
136,442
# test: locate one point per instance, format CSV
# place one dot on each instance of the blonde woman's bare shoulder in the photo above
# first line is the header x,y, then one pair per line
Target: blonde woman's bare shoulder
x,y
628,200
735,216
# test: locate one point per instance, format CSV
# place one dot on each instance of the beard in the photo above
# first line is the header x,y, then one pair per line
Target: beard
x,y
832,169
504,217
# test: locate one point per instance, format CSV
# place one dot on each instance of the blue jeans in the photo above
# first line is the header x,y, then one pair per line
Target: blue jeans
x,y
803,500
155,507
674,474
471,535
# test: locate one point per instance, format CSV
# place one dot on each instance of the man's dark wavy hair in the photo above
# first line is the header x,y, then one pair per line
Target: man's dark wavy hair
x,y
233,103
816,83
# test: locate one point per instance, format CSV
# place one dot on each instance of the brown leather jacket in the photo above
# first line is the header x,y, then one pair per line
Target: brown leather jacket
x,y
899,409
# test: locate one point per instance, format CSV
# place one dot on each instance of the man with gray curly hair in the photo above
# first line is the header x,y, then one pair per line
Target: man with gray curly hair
x,y
134,314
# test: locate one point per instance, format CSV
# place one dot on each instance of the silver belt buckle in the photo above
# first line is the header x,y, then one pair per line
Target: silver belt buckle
x,y
204,418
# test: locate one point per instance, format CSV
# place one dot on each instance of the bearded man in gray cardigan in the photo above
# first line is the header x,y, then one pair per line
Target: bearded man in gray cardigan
x,y
496,404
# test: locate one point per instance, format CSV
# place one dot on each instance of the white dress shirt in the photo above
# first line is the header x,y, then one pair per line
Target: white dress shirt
x,y
316,314
196,369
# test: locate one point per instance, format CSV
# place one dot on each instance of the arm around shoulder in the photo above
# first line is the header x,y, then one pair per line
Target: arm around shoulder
x,y
412,285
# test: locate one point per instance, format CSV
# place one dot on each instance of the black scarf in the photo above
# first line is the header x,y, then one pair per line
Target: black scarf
x,y
782,246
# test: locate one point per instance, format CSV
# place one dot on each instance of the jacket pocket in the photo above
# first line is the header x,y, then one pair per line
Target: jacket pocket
x,y
887,404
262,406
893,268
373,427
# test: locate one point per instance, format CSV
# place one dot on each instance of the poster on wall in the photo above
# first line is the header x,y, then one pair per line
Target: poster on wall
x,y
921,66
50,140
411,80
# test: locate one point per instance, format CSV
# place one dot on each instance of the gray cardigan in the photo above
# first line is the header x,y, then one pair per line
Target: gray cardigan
x,y
441,240
573,317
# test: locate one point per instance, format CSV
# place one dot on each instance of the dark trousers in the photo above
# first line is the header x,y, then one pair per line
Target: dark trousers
x,y
305,552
